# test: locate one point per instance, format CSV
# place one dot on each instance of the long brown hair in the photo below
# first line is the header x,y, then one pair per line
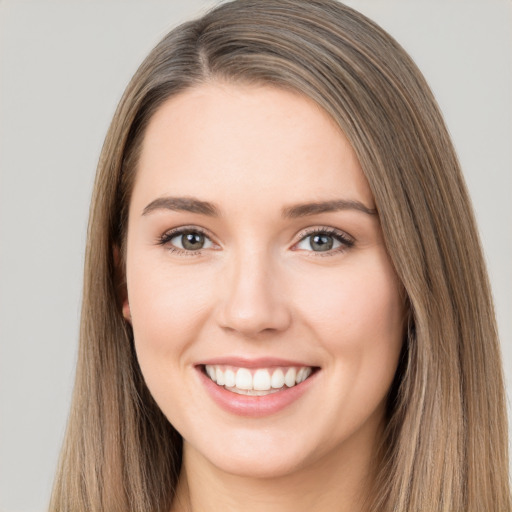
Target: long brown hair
x,y
445,445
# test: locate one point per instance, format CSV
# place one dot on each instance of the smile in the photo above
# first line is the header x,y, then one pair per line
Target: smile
x,y
256,387
258,381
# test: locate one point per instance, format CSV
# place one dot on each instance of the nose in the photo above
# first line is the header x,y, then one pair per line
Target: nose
x,y
254,301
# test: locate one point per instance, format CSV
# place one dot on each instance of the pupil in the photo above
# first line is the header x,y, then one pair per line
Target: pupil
x,y
192,241
321,242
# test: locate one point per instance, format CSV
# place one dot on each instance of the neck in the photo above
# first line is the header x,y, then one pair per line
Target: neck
x,y
338,482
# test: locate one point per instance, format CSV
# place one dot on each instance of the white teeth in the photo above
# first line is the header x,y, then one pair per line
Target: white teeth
x,y
220,377
229,378
261,380
243,379
253,392
210,370
302,374
258,382
277,379
289,378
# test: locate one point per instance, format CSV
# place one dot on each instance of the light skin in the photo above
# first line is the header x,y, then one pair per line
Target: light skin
x,y
288,261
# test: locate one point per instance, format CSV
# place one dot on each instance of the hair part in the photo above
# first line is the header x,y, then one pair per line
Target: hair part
x,y
445,443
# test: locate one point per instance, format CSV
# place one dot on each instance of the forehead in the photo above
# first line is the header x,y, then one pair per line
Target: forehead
x,y
229,141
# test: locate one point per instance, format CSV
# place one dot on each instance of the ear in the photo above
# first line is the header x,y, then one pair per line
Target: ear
x,y
126,311
121,288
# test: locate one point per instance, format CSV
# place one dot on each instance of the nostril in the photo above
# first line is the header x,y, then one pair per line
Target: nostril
x,y
255,318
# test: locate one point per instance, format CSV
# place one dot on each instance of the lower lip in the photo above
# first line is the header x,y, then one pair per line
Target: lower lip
x,y
254,406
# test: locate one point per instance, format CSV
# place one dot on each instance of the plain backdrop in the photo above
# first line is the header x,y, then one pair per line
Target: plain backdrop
x,y
63,67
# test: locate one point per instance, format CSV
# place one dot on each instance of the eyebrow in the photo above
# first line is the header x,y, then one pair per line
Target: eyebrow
x,y
193,205
306,209
182,204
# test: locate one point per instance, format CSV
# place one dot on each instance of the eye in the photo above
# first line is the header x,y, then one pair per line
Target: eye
x,y
324,240
191,240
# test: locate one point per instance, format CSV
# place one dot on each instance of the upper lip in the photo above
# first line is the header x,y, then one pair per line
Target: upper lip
x,y
259,362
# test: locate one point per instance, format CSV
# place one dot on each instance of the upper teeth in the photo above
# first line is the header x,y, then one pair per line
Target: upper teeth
x,y
262,379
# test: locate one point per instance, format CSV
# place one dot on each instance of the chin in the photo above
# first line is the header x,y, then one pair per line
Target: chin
x,y
257,453
258,465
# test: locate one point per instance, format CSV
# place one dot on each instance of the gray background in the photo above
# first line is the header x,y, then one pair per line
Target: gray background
x,y
63,66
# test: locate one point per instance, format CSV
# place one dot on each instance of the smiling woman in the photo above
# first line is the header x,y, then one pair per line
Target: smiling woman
x,y
285,303
280,311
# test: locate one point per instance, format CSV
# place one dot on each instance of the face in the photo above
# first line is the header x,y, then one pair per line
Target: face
x,y
267,317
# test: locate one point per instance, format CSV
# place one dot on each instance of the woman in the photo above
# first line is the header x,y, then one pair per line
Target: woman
x,y
285,302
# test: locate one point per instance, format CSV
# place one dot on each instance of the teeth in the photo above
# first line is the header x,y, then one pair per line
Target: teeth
x,y
259,382
278,379
210,370
303,374
219,377
229,378
252,392
289,378
243,379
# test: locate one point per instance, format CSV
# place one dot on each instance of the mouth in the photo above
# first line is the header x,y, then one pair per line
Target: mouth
x,y
257,381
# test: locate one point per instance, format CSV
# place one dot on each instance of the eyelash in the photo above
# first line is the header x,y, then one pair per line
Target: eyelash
x,y
345,241
166,238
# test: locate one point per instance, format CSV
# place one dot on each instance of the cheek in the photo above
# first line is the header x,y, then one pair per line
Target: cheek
x,y
167,307
358,320
357,313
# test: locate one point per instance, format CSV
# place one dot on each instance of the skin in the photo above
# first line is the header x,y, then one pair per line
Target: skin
x,y
258,289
